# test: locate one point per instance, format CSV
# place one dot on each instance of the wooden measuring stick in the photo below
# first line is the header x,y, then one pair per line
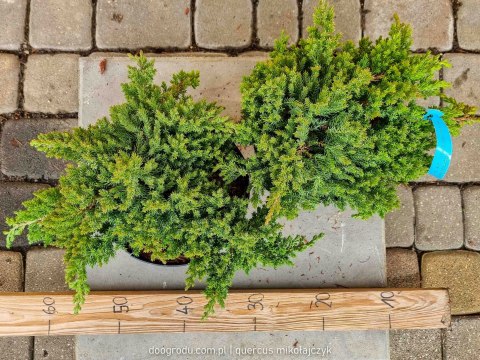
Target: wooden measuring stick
x,y
116,312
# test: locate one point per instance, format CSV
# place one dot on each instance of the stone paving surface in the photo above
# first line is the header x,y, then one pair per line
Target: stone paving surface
x,y
9,73
137,24
275,17
11,280
11,271
468,26
458,271
51,83
39,54
405,260
471,206
18,158
45,272
12,23
464,75
439,222
416,344
432,21
462,341
223,24
399,224
61,24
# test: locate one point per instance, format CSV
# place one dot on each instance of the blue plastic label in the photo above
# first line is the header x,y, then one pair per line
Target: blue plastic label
x,y
443,152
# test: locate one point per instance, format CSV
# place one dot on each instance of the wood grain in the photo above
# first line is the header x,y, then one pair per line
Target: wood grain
x,y
122,312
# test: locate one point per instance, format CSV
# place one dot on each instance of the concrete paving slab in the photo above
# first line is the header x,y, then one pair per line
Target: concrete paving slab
x,y
276,346
220,79
351,254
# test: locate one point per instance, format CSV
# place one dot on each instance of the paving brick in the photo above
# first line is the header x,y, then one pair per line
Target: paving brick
x,y
462,340
399,224
468,25
347,17
464,75
15,348
458,271
61,24
12,23
431,21
20,159
471,209
402,268
54,348
12,194
439,222
416,344
464,166
45,271
51,83
11,271
136,24
11,280
273,17
9,71
226,23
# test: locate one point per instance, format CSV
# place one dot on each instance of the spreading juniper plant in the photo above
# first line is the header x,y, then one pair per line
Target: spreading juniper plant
x,y
162,176
331,123
335,123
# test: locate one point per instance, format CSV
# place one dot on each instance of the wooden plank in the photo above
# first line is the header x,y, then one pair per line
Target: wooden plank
x,y
115,312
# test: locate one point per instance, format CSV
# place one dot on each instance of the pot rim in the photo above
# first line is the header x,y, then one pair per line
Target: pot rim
x,y
129,251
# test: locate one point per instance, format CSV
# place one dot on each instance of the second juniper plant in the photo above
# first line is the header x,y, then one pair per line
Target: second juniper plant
x,y
335,123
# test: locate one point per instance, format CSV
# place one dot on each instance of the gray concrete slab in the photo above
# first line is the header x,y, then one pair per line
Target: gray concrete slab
x,y
351,254
220,79
345,345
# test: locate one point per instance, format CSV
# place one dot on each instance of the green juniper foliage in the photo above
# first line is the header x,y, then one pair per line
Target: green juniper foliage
x,y
335,123
160,176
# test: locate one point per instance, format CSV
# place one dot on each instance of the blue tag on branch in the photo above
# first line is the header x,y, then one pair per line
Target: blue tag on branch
x,y
443,152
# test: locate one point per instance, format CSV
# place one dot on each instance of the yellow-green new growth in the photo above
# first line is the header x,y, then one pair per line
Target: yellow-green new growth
x,y
335,123
159,176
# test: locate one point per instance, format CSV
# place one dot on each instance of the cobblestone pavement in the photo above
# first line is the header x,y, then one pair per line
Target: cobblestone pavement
x,y
432,240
